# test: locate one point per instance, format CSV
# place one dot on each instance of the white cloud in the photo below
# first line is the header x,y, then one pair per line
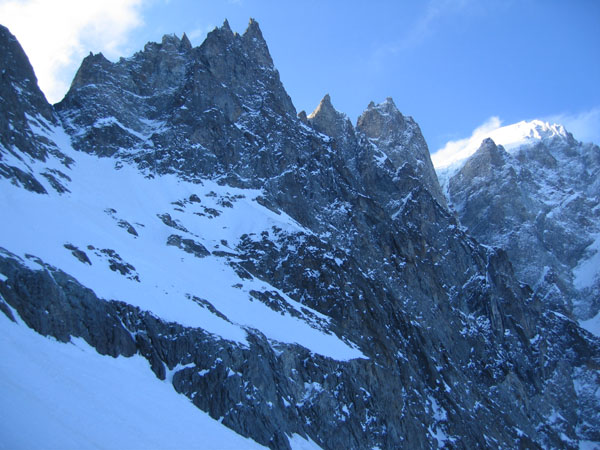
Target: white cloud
x,y
585,126
461,149
57,34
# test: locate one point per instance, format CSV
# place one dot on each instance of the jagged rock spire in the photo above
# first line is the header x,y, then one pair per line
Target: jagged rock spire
x,y
255,43
488,159
324,108
327,120
225,26
185,43
400,138
253,30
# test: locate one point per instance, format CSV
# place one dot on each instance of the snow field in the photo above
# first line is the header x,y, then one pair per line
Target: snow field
x,y
101,196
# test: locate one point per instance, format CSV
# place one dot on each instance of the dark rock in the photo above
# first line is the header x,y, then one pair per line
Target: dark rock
x,y
23,109
128,227
168,221
208,305
6,310
188,245
400,139
194,199
79,254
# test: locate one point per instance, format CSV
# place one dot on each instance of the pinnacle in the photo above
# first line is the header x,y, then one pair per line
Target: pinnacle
x,y
387,106
170,38
253,31
325,107
185,42
252,24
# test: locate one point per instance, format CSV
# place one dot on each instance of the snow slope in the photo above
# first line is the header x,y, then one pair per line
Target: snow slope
x,y
120,219
67,396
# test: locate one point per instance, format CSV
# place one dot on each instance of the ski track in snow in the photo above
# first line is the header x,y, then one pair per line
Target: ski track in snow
x,y
41,225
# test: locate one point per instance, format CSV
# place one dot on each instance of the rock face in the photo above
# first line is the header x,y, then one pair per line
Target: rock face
x,y
447,347
190,110
400,139
540,203
23,108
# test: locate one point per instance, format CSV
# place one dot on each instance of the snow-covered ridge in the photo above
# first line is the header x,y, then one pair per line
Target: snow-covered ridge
x,y
511,137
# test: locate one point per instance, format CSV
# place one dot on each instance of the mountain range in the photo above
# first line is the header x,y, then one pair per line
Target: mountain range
x,y
187,262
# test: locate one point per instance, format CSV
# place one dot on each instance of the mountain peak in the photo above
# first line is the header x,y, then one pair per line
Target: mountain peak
x,y
14,62
511,137
255,43
327,120
225,26
400,139
253,29
222,33
490,153
170,39
488,142
185,43
325,112
325,107
20,97
389,103
88,72
379,119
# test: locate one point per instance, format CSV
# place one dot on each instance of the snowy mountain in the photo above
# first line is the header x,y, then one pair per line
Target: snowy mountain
x,y
511,137
534,190
174,228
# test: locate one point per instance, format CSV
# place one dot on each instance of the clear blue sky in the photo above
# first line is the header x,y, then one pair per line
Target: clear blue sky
x,y
451,64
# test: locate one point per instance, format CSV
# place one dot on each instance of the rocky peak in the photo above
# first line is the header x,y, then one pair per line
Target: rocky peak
x,y
256,45
23,110
380,121
225,28
186,45
18,82
222,43
170,92
92,70
170,41
218,40
486,163
536,196
400,139
490,153
303,117
327,120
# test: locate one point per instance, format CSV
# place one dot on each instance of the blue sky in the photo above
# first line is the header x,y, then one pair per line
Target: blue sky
x,y
451,64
